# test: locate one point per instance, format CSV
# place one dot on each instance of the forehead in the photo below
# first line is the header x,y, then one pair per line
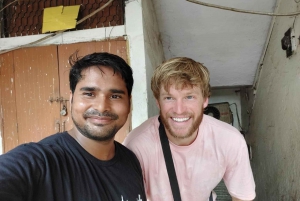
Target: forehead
x,y
179,88
102,77
96,71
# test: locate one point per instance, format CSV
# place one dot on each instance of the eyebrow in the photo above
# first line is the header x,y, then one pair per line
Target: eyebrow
x,y
88,89
118,91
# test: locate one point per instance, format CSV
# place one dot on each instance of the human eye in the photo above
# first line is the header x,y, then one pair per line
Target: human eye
x,y
168,98
115,96
190,97
88,94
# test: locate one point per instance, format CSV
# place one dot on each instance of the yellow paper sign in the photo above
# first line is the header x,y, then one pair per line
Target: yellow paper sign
x,y
60,18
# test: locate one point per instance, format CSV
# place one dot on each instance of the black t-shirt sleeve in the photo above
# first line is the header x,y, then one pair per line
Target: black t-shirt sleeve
x,y
19,172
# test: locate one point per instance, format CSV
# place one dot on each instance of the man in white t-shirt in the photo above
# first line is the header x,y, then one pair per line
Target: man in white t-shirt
x,y
204,150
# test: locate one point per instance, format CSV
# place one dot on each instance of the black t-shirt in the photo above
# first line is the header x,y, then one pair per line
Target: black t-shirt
x,y
59,169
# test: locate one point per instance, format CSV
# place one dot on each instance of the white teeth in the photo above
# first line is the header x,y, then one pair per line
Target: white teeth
x,y
181,119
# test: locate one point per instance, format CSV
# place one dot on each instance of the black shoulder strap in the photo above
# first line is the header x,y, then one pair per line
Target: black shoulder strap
x,y
211,197
169,162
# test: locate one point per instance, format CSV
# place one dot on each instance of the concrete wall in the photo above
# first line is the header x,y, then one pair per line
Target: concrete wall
x,y
136,40
274,124
153,50
247,97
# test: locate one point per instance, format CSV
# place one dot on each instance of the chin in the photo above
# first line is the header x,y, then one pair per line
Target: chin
x,y
180,136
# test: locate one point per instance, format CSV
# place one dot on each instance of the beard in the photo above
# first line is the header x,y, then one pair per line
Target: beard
x,y
174,132
97,132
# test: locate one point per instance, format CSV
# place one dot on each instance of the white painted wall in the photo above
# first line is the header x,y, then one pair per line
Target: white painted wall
x,y
230,95
134,31
153,50
64,38
274,124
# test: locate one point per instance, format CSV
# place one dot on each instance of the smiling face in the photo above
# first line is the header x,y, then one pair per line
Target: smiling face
x,y
100,104
181,111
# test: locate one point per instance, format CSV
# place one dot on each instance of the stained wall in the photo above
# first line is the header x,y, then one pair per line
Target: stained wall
x,y
274,124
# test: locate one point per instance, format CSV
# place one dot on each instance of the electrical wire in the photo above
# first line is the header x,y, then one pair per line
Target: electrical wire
x,y
243,11
58,32
237,115
8,5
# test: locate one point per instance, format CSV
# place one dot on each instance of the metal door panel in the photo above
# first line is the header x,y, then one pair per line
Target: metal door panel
x,y
37,82
8,110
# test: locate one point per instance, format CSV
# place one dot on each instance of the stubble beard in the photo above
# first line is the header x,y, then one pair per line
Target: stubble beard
x,y
102,134
195,125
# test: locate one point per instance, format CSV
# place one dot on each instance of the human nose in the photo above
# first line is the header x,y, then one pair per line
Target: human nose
x,y
179,107
102,104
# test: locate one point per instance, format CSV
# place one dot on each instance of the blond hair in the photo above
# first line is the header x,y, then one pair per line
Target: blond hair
x,y
182,72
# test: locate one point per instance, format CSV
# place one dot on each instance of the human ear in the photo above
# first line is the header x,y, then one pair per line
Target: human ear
x,y
205,103
71,97
157,103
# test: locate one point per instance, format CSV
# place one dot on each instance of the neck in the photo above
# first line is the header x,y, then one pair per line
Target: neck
x,y
102,150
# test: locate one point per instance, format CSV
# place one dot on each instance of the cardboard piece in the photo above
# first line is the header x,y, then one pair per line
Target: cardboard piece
x,y
60,18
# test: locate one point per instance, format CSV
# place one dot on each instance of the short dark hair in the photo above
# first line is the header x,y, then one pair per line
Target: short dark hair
x,y
99,59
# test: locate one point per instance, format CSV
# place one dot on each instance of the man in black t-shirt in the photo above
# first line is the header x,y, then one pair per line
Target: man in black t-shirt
x,y
84,163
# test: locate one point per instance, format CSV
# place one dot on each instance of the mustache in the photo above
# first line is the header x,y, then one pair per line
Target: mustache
x,y
90,113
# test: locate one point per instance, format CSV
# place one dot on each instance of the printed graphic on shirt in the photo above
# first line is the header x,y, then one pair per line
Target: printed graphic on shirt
x,y
137,199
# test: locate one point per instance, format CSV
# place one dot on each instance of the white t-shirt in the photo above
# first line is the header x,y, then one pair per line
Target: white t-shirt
x,y
219,151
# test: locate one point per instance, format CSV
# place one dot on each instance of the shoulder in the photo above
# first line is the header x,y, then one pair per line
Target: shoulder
x,y
25,161
126,156
146,132
222,136
35,152
209,121
144,140
24,152
219,128
124,150
57,138
19,169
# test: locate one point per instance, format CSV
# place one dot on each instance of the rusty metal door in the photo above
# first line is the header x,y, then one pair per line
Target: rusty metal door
x,y
8,110
36,82
29,77
34,88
